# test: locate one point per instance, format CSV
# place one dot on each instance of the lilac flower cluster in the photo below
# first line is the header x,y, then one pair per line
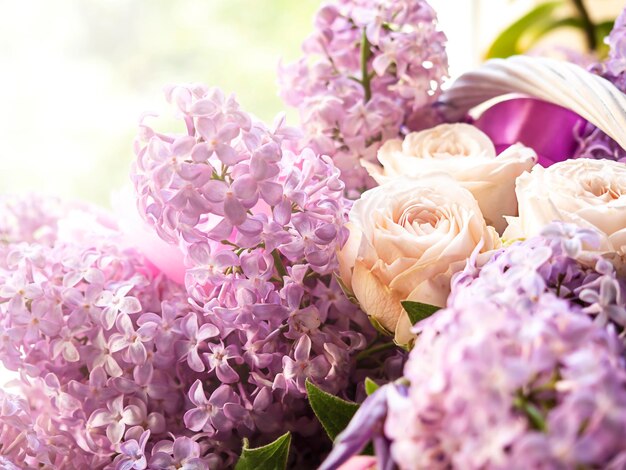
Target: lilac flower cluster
x,y
92,330
558,262
371,69
97,363
260,226
593,142
29,219
32,437
512,372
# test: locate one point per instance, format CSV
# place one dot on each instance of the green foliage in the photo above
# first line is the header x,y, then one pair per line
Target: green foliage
x,y
418,311
524,33
602,31
272,456
333,413
511,40
370,386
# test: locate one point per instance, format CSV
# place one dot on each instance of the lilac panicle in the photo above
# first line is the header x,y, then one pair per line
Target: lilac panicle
x,y
123,368
259,225
525,365
370,70
89,325
593,142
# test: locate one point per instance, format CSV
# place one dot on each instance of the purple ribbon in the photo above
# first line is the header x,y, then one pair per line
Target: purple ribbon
x,y
545,127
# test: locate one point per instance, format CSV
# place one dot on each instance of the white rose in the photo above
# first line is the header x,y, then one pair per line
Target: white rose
x,y
585,192
467,155
407,238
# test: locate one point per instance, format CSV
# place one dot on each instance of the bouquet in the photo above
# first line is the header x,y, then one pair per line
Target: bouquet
x,y
400,276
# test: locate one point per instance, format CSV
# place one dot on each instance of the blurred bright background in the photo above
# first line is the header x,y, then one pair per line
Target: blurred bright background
x,y
75,75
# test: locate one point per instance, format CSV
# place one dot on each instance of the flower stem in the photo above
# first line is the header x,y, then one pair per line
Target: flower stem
x,y
588,25
365,57
534,415
278,264
373,350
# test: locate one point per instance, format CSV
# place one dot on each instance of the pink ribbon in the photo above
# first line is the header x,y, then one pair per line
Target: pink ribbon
x,y
545,127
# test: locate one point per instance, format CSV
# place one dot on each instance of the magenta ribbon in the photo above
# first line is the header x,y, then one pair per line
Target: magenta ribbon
x,y
545,127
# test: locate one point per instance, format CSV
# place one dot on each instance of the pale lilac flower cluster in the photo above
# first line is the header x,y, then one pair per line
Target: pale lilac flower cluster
x,y
494,385
92,330
123,368
593,142
260,226
557,262
371,69
33,434
31,219
228,191
510,372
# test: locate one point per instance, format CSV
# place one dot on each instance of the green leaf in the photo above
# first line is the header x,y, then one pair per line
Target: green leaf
x,y
269,457
603,29
333,412
370,386
545,27
418,311
509,42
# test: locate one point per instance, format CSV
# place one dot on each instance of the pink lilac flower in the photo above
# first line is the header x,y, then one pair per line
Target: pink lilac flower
x,y
371,70
218,361
116,417
211,415
194,337
259,225
184,453
301,367
33,434
115,303
96,397
133,455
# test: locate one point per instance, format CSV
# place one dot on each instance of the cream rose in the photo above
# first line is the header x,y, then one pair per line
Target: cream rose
x,y
467,155
588,193
407,238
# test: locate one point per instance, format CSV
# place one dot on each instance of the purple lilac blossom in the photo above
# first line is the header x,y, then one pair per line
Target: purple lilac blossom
x,y
536,384
260,226
560,261
371,70
89,326
524,368
593,142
